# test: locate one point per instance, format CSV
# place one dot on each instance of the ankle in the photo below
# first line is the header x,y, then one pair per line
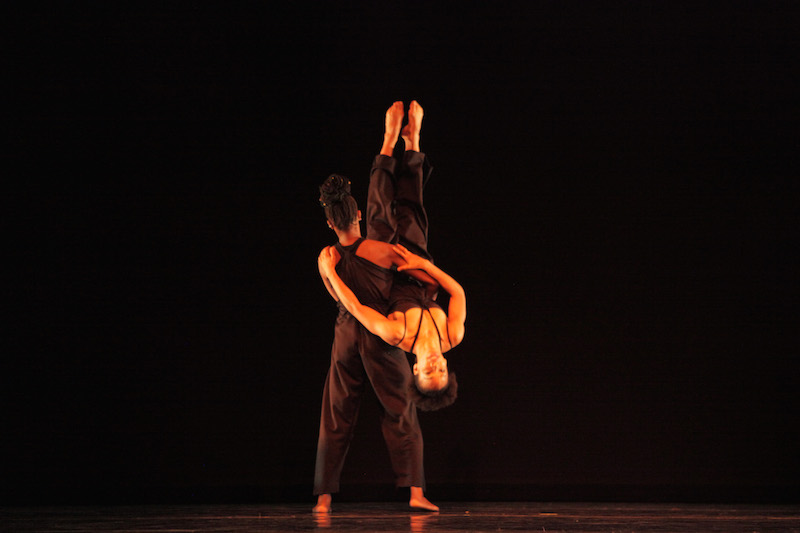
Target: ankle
x,y
412,143
388,145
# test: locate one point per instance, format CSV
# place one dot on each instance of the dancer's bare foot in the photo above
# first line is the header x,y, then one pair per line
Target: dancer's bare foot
x,y
394,121
410,133
323,504
419,501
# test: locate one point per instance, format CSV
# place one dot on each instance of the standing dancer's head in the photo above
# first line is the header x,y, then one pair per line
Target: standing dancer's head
x,y
340,207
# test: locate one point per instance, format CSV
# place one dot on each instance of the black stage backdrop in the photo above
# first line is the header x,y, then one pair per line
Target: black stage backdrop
x,y
615,187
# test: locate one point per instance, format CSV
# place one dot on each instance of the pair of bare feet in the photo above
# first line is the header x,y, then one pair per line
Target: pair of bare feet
x,y
395,129
417,501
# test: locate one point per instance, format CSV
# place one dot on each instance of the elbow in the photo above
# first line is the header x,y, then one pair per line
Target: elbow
x,y
390,335
459,336
462,294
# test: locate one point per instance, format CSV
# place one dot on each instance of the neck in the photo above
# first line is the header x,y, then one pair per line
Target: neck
x,y
350,235
426,343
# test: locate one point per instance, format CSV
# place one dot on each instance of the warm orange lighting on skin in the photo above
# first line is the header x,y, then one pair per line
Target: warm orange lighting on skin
x,y
431,371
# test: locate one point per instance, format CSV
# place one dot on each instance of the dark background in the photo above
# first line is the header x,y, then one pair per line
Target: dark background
x,y
615,187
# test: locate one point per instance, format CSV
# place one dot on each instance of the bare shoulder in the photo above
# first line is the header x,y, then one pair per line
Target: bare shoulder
x,y
395,331
377,252
376,246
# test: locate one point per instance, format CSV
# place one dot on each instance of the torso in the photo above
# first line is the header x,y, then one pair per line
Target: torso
x,y
433,325
433,317
369,280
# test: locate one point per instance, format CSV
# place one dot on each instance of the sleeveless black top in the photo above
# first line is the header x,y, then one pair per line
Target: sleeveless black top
x,y
369,282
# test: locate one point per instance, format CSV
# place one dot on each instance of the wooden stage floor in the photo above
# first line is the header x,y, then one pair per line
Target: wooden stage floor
x,y
391,517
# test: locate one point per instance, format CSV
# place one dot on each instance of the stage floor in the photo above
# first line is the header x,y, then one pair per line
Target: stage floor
x,y
386,517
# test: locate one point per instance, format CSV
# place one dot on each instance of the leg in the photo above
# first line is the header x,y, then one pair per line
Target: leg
x,y
412,220
381,223
394,121
411,132
410,215
381,218
340,404
390,376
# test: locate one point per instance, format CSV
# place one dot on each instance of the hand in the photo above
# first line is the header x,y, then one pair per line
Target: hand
x,y
413,261
328,259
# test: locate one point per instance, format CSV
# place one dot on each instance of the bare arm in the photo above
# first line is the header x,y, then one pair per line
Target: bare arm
x,y
431,285
457,310
384,255
327,282
388,330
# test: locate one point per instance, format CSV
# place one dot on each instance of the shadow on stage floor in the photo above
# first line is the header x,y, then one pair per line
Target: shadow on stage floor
x,y
395,516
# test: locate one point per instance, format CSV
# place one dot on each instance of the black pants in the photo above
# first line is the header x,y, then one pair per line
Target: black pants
x,y
358,356
395,212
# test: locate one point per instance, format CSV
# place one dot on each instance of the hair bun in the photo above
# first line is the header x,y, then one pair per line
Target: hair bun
x,y
335,189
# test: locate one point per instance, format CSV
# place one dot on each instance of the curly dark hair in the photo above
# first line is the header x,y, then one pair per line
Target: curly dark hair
x,y
434,400
335,198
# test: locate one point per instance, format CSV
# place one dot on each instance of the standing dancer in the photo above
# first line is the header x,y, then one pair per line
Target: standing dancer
x,y
395,214
358,356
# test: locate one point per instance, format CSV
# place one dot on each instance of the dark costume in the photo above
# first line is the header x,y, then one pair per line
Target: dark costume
x,y
395,214
357,356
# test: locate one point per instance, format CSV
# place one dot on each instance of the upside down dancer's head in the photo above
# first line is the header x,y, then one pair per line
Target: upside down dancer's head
x,y
434,386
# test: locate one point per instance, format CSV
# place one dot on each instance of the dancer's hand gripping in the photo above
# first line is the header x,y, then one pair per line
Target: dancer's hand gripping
x,y
413,261
327,260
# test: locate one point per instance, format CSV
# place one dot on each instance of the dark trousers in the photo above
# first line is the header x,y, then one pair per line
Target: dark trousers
x,y
395,211
357,356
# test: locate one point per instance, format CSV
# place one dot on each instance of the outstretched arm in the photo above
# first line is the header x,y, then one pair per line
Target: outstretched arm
x,y
389,330
457,310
